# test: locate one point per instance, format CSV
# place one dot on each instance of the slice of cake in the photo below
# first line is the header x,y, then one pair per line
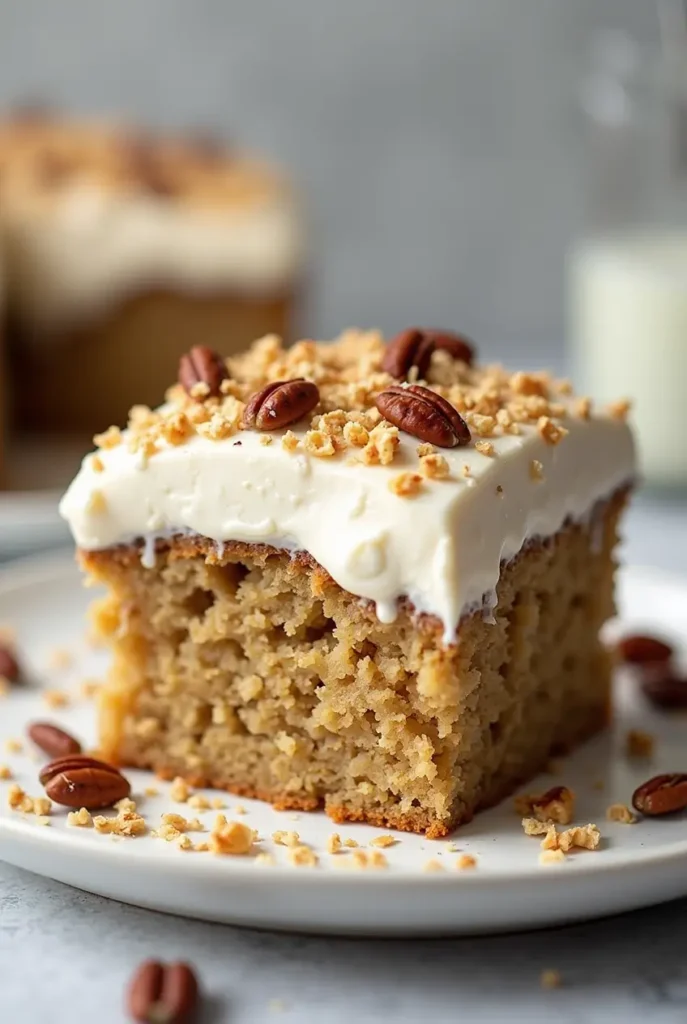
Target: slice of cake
x,y
354,575
119,249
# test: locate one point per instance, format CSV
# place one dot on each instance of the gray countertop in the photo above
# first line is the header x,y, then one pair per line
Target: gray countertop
x,y
65,955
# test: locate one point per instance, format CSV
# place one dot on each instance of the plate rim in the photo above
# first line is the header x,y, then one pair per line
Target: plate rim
x,y
36,569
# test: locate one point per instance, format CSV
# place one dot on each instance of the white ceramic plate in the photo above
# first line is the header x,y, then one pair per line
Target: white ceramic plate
x,y
636,866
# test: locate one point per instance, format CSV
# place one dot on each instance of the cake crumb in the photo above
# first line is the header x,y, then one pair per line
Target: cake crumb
x,y
289,441
302,857
5,771
551,857
550,979
126,823
584,837
80,819
583,408
334,843
556,804
265,440
383,841
13,746
536,470
551,432
151,791
435,467
282,838
18,800
96,504
125,804
425,449
431,866
406,485
535,827
109,439
265,858
351,844
619,410
639,744
485,447
89,688
179,790
184,843
217,803
621,813
361,860
466,862
231,837
55,698
198,801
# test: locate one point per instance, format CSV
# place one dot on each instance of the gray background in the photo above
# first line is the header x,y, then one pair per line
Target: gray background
x,y
438,142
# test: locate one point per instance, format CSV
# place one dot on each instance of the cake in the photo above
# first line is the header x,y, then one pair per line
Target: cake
x,y
357,575
120,248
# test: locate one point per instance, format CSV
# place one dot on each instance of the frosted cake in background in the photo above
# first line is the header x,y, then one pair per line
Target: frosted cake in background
x,y
119,250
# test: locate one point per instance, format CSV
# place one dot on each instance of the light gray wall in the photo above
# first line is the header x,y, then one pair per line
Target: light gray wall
x,y
437,141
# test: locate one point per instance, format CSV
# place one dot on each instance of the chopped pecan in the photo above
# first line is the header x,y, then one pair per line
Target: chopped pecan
x,y
52,740
281,403
664,794
424,414
163,992
414,348
80,781
642,649
202,366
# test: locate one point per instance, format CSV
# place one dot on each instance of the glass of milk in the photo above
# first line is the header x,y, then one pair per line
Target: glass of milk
x,y
627,275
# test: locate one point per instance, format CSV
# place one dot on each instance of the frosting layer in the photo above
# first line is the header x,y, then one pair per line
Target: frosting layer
x,y
442,548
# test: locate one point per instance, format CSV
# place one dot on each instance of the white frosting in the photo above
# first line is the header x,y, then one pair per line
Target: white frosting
x,y
442,549
93,245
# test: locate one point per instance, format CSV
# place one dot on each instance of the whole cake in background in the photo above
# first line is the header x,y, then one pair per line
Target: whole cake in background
x,y
364,576
118,249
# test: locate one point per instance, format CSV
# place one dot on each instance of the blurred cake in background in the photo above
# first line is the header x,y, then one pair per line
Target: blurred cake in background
x,y
120,250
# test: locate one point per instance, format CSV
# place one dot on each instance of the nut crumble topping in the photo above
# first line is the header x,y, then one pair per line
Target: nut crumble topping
x,y
231,837
639,744
621,813
557,804
466,862
349,376
406,485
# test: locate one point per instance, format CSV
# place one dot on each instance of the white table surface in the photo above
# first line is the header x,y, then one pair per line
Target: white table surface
x,y
65,956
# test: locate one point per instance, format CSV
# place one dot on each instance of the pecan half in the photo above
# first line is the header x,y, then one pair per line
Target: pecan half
x,y
414,348
202,365
52,740
9,666
423,414
162,992
80,781
664,689
641,649
280,403
664,794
